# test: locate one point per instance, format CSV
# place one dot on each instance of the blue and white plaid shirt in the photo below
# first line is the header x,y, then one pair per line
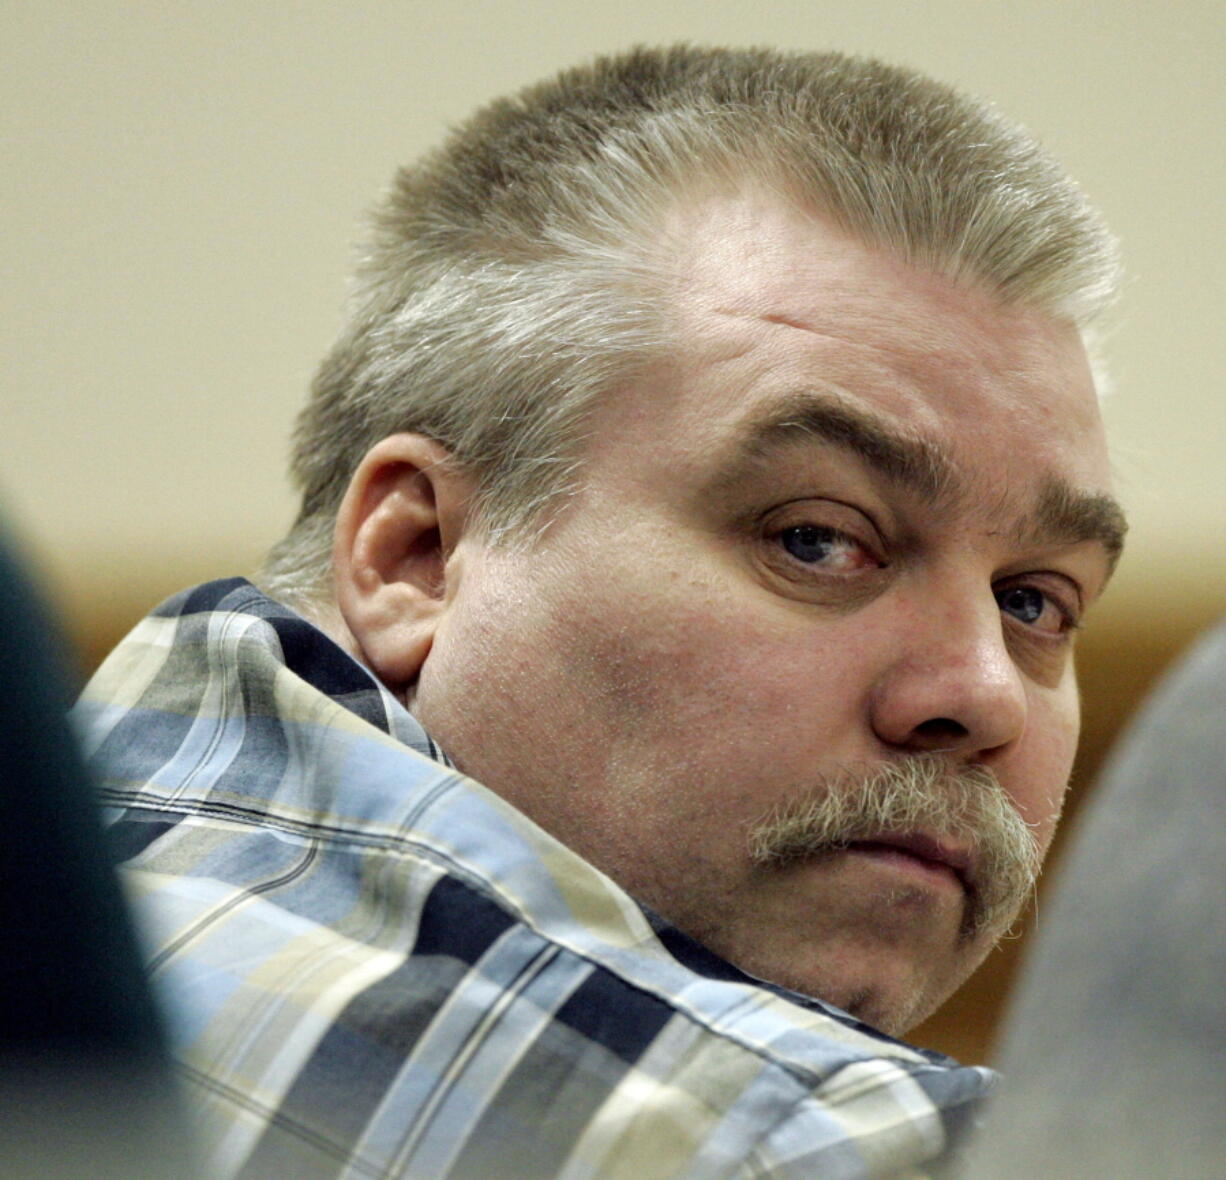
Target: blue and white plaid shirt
x,y
372,966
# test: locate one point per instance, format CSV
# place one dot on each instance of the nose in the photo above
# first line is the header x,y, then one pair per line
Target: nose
x,y
953,685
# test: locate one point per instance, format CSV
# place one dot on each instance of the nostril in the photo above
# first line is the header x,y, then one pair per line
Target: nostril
x,y
941,729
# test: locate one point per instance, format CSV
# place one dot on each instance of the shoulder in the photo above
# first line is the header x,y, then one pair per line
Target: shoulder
x,y
371,962
399,1006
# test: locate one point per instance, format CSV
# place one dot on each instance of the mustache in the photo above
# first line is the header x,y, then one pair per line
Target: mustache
x,y
963,806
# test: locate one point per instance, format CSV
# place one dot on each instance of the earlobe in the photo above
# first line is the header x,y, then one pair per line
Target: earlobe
x,y
396,532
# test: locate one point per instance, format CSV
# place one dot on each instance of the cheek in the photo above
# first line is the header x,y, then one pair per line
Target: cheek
x,y
715,677
1049,749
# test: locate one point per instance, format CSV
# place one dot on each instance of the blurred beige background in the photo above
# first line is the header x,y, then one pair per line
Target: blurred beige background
x,y
182,182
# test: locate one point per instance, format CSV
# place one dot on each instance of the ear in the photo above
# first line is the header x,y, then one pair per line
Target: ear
x,y
396,532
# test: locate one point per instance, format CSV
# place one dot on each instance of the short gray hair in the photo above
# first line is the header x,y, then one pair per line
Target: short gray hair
x,y
510,278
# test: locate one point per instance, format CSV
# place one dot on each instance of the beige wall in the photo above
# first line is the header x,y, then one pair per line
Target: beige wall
x,y
182,181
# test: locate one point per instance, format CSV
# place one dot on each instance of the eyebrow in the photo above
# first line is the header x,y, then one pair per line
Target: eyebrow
x,y
902,457
1063,514
1069,516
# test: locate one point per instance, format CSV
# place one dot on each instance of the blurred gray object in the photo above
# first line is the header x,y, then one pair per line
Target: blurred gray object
x,y
1114,1056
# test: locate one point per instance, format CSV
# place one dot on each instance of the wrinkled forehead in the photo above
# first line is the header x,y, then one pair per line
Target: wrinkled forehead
x,y
789,333
763,286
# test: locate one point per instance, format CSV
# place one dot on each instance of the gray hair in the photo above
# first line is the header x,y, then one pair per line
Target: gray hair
x,y
515,274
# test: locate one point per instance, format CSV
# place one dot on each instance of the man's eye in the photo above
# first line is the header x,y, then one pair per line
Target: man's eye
x,y
818,545
1030,605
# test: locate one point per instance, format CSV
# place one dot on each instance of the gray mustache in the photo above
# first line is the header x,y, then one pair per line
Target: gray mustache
x,y
965,806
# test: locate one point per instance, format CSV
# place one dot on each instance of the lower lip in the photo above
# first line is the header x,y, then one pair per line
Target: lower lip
x,y
898,860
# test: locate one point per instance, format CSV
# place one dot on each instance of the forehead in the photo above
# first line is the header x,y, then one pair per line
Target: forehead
x,y
770,304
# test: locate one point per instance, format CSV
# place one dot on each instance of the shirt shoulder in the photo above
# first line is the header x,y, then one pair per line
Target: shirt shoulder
x,y
372,963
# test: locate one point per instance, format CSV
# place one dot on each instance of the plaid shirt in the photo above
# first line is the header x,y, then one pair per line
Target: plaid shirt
x,y
372,966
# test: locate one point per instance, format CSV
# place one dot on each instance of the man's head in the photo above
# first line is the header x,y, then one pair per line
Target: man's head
x,y
717,470
518,274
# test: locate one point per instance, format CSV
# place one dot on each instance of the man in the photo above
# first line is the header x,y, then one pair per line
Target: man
x,y
711,468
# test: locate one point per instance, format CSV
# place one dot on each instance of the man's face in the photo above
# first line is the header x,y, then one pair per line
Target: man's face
x,y
854,518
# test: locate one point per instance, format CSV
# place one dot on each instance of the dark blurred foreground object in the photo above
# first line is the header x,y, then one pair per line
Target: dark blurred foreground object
x,y
85,1087
1114,1054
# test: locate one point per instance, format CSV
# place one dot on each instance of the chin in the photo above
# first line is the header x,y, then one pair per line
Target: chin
x,y
893,1014
889,991
897,1006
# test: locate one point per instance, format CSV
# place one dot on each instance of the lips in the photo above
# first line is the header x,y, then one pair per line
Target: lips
x,y
927,850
